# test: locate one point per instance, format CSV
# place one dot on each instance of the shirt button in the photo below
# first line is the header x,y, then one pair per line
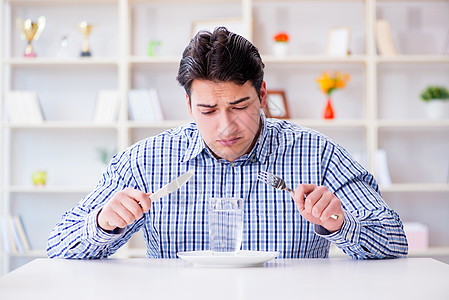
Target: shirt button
x,y
233,165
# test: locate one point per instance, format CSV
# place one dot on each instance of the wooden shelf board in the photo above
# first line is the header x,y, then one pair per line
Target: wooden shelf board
x,y
271,59
416,187
136,60
412,123
157,125
50,189
413,59
17,62
63,125
61,2
330,123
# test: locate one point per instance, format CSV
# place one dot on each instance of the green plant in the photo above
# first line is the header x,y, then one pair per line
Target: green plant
x,y
105,155
435,92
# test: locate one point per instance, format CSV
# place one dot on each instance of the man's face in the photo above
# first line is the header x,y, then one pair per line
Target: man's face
x,y
227,115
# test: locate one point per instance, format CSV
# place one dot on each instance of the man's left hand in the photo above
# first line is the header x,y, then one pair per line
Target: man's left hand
x,y
319,205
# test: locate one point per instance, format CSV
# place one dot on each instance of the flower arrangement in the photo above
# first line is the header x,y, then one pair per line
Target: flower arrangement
x,y
329,82
434,93
281,37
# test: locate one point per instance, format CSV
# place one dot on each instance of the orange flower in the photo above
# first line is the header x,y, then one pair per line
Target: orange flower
x,y
331,82
281,37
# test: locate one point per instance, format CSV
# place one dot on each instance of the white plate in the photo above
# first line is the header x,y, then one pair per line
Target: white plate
x,y
243,258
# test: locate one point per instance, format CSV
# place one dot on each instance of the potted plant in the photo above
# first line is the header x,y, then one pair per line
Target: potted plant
x,y
280,46
436,99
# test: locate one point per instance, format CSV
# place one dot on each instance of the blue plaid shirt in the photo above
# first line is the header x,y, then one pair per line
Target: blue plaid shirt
x,y
179,221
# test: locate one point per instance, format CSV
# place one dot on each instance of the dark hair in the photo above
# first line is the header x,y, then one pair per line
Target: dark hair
x,y
220,56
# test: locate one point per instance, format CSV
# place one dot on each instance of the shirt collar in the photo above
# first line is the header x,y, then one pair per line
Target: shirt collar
x,y
196,145
259,151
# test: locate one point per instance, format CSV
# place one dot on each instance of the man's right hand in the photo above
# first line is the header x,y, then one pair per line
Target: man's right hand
x,y
123,209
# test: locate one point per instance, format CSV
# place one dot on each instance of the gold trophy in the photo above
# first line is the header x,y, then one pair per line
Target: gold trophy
x,y
30,31
85,29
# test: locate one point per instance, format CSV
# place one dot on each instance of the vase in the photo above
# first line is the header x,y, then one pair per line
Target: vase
x,y
329,109
280,48
437,109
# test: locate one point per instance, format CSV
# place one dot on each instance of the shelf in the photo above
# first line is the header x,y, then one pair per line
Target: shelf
x,y
337,123
271,59
49,189
154,60
415,187
62,125
413,59
412,123
431,251
61,2
183,1
17,62
157,124
31,253
379,86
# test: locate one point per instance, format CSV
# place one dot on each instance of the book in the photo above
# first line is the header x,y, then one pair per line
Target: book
x,y
6,247
107,106
385,44
10,235
135,102
18,246
144,105
156,105
23,107
361,157
21,232
417,235
382,172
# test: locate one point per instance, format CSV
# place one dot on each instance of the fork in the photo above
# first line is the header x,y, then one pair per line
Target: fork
x,y
279,184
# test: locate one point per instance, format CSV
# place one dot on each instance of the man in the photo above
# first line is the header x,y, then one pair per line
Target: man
x,y
230,142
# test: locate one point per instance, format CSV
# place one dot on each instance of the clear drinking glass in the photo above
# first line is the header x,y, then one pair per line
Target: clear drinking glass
x,y
225,225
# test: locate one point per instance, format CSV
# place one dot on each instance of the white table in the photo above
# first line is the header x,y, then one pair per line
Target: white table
x,y
340,278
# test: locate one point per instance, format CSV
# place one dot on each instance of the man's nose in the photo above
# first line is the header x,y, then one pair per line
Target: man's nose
x,y
227,124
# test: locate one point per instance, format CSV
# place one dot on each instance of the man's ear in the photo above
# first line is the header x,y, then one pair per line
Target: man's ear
x,y
263,95
189,105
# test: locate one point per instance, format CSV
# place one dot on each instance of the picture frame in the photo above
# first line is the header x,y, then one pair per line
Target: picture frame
x,y
234,25
338,41
276,105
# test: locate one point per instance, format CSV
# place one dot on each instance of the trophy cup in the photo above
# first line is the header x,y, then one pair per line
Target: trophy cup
x,y
85,29
30,31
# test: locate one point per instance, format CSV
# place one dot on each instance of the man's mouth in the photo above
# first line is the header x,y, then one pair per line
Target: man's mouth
x,y
228,141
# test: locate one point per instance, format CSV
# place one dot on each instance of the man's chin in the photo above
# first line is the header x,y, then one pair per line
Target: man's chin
x,y
228,154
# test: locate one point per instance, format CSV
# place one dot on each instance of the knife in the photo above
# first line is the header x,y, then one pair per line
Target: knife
x,y
171,186
168,188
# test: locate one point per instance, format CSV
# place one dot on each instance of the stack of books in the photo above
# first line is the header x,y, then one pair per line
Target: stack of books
x,y
23,107
144,105
107,106
13,237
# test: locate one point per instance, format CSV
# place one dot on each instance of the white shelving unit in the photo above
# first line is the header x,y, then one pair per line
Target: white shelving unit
x,y
380,107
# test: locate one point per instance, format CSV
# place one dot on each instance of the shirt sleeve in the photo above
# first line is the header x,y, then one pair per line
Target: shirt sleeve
x,y
370,229
77,235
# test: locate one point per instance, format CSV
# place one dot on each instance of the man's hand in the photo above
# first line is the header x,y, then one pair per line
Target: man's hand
x,y
318,206
123,209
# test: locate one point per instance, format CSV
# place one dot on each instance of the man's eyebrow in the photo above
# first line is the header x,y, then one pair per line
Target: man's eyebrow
x,y
239,100
232,103
207,105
